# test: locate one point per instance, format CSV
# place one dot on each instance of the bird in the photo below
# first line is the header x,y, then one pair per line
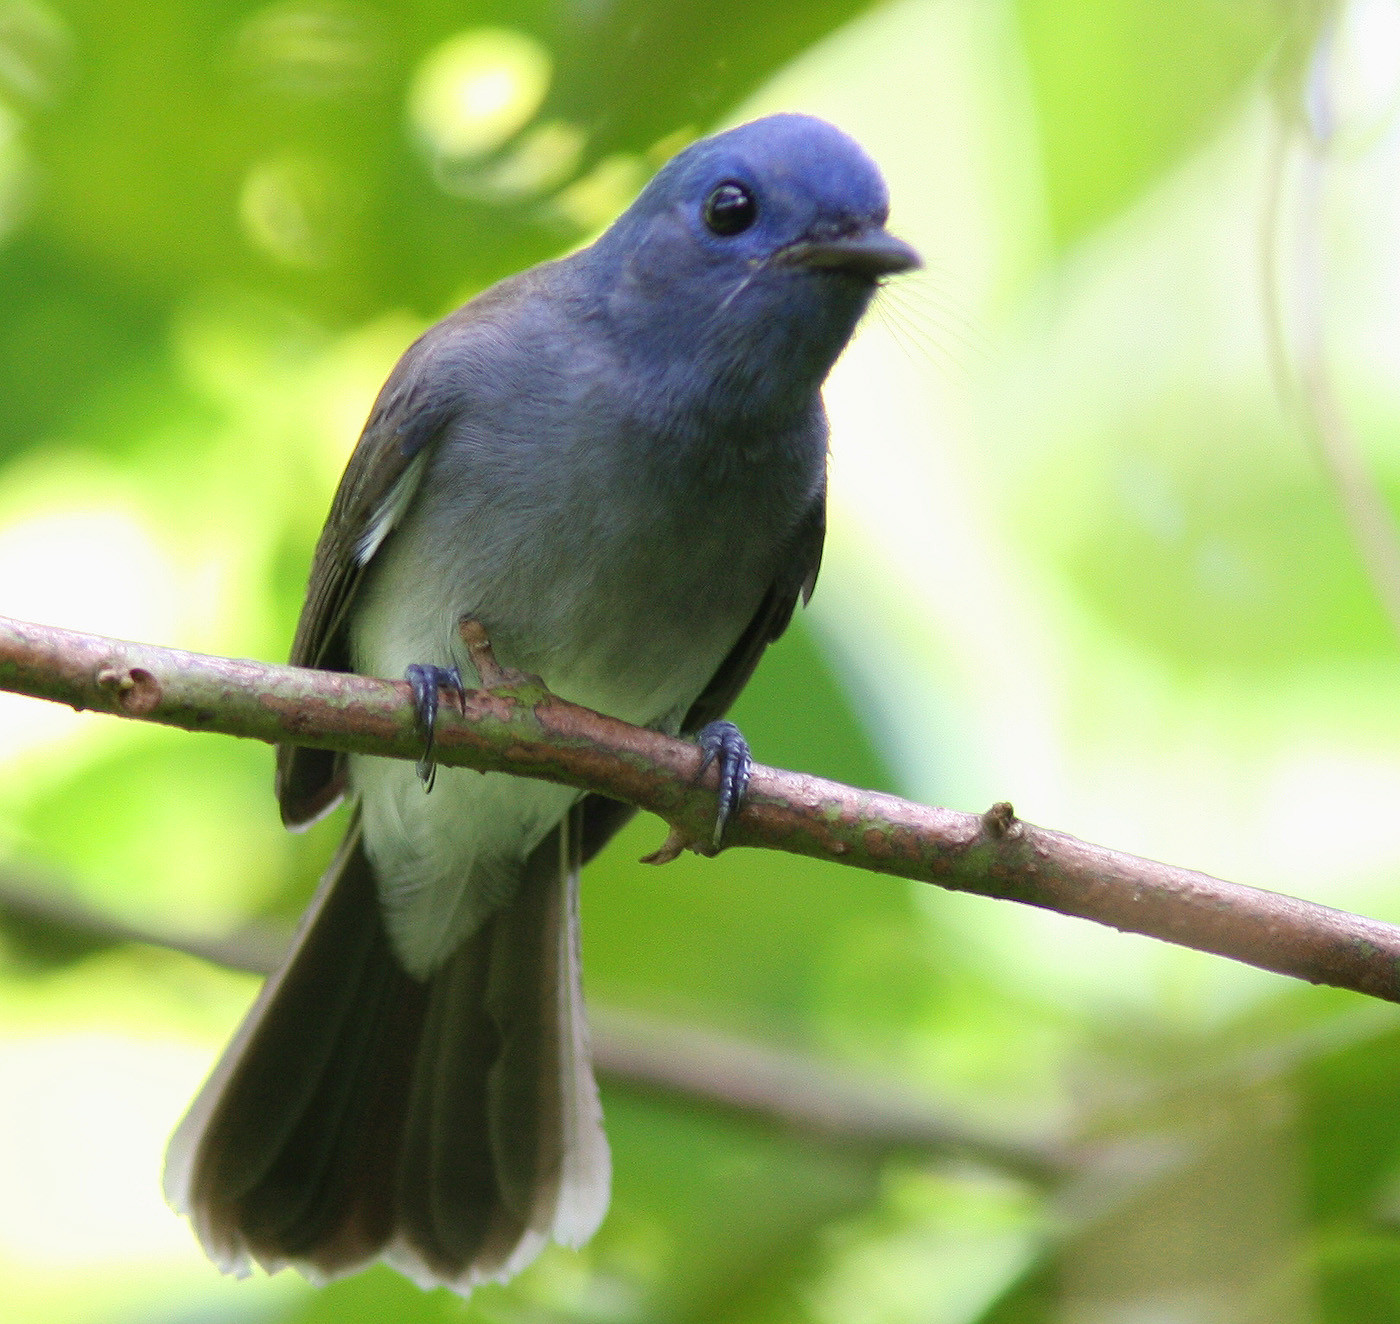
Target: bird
x,y
614,463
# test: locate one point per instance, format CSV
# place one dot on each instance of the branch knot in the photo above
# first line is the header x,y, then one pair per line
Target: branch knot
x,y
1000,820
135,689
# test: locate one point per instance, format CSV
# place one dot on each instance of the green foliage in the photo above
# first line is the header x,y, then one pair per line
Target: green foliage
x,y
1122,90
1079,558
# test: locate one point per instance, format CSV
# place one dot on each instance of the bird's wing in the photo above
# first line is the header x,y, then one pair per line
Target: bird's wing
x,y
603,817
376,489
797,578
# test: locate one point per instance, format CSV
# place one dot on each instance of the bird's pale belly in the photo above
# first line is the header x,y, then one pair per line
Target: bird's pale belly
x,y
647,643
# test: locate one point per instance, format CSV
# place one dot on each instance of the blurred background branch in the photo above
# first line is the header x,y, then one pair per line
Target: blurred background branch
x,y
1313,133
668,1059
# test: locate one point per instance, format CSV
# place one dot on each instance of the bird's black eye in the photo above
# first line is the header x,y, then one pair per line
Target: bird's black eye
x,y
730,209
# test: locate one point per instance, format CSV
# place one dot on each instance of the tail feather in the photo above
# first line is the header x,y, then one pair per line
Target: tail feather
x,y
513,1100
555,1174
451,1126
446,1161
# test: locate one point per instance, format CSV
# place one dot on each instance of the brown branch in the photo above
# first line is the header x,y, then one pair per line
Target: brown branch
x,y
785,1091
523,729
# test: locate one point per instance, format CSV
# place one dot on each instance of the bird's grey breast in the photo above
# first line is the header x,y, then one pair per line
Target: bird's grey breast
x,y
613,531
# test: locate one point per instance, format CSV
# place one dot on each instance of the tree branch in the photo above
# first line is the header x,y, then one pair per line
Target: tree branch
x,y
48,915
784,1091
796,1094
522,729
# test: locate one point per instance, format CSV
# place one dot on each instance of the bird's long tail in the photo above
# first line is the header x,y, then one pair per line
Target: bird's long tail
x,y
450,1126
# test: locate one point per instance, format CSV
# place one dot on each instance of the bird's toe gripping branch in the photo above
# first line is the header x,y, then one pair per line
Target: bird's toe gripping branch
x,y
723,743
425,681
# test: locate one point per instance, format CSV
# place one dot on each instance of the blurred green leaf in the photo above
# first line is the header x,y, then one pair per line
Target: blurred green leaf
x,y
1125,88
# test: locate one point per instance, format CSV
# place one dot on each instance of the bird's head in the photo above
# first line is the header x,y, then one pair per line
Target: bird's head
x,y
765,242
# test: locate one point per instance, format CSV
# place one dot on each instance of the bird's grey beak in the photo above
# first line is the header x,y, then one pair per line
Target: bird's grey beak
x,y
870,253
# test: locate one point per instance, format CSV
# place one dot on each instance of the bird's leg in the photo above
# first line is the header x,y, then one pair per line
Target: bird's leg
x,y
425,681
721,742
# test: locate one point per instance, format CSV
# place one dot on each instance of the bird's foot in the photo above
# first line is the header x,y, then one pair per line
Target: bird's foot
x,y
722,743
426,681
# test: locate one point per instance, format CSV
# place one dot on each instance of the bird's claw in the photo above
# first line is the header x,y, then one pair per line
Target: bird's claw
x,y
722,742
426,680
